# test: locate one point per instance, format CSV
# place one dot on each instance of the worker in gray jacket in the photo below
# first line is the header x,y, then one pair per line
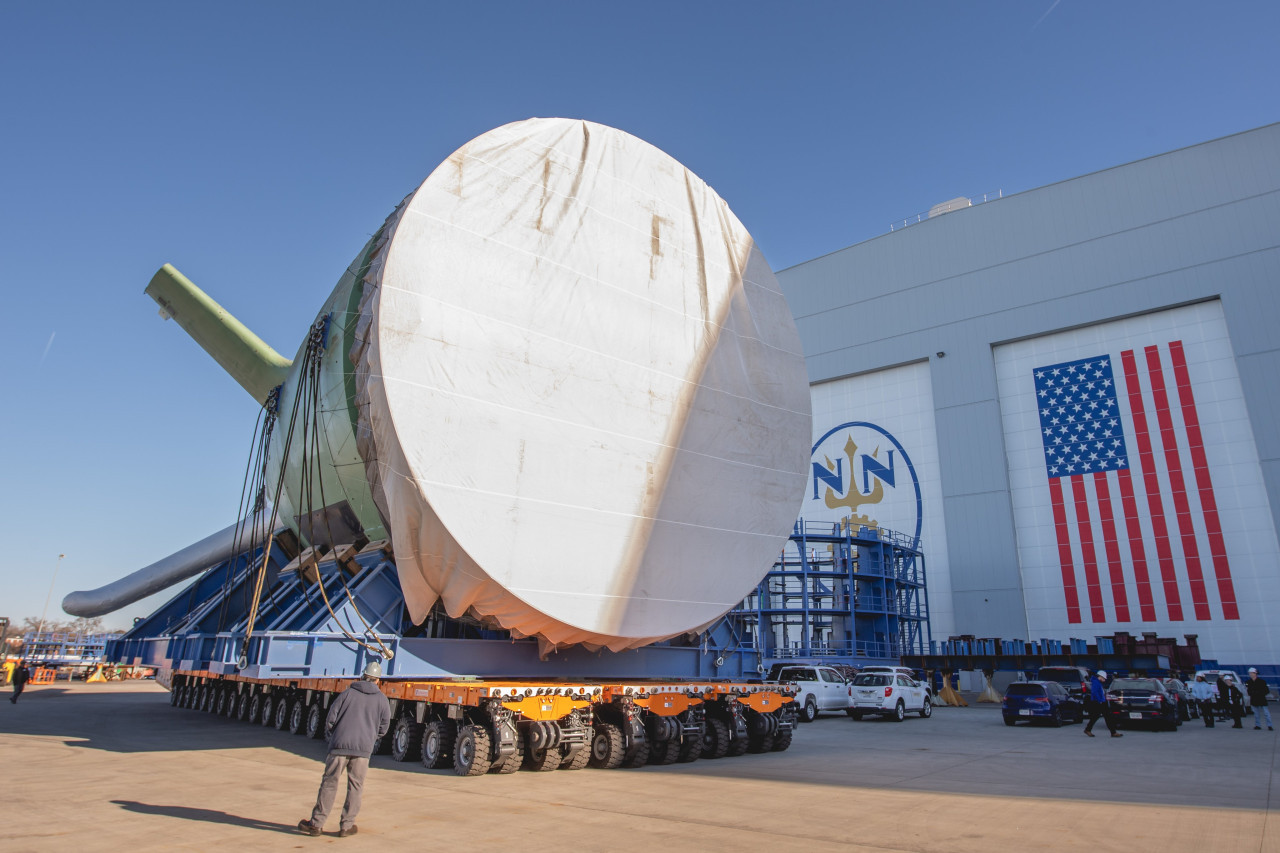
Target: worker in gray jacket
x,y
358,717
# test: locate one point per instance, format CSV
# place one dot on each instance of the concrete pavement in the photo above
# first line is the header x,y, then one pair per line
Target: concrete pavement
x,y
113,767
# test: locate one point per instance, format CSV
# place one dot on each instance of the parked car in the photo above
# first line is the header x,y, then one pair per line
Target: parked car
x,y
888,694
1187,709
902,670
1040,701
822,688
1142,700
1074,679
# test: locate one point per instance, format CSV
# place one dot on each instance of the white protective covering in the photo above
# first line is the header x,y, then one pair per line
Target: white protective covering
x,y
583,388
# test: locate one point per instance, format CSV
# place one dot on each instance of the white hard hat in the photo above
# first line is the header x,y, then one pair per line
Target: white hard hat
x,y
1253,670
373,669
1102,673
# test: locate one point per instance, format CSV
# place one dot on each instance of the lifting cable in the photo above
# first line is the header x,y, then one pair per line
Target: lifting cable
x,y
306,397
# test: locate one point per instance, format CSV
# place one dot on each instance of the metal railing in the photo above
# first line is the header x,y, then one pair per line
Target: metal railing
x,y
923,215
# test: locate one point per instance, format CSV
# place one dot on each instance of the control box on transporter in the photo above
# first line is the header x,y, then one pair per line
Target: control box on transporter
x,y
559,400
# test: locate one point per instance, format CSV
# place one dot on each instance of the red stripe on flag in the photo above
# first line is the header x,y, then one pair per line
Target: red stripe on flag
x,y
1204,483
1173,462
1164,555
1092,586
1114,570
1064,550
1137,550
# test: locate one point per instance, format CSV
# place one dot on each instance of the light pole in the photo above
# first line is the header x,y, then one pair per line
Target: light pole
x,y
45,612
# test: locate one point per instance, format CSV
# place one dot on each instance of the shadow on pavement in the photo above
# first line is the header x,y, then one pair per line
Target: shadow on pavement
x,y
204,816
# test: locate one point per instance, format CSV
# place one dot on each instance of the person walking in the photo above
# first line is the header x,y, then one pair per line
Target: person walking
x,y
358,717
1230,699
1258,691
21,675
1202,693
1098,705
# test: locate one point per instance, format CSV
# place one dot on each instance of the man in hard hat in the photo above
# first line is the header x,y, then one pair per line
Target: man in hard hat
x,y
358,717
1258,690
1098,705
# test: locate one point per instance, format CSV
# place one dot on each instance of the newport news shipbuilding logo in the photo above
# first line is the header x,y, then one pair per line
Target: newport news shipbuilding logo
x,y
862,476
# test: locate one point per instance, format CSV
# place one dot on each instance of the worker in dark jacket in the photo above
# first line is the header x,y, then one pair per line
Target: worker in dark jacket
x,y
1258,690
21,675
358,717
1231,700
1097,705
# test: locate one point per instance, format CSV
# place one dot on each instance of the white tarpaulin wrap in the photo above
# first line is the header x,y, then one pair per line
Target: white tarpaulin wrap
x,y
581,390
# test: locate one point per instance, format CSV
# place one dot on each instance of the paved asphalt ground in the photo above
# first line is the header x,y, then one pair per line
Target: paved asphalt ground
x,y
113,767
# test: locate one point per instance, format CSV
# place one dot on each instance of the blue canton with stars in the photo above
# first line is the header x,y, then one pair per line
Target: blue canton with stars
x,y
1080,418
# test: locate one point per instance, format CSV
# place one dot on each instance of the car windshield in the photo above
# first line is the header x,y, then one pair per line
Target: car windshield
x,y
1135,684
1025,690
797,675
868,679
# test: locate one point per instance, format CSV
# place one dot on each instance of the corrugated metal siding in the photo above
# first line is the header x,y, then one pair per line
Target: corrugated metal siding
x,y
1198,223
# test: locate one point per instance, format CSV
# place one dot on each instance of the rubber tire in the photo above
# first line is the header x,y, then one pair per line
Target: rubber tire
x,y
281,718
173,695
224,698
782,740
855,715
438,738
316,714
268,709
690,748
255,708
607,746
899,712
242,707
1009,721
542,760
471,752
512,762
578,760
297,717
926,711
738,746
638,757
406,739
764,743
206,697
809,710
715,739
664,752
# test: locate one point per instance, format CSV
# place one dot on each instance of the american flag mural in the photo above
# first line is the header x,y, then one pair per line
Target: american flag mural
x,y
1114,460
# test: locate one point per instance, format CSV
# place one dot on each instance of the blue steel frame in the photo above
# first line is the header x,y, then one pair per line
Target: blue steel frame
x,y
840,596
296,635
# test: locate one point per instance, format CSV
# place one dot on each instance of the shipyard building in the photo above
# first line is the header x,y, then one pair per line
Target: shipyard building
x,y
1070,396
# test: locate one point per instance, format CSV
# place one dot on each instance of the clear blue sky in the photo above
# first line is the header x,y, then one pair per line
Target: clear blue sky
x,y
256,146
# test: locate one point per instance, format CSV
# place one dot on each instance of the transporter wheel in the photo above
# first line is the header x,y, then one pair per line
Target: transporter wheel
x,y
471,753
542,760
174,691
281,718
809,710
269,701
577,760
206,697
763,743
406,739
233,704
926,710
221,700
638,757
738,746
315,719
437,744
180,696
242,706
297,717
899,712
715,739
664,751
512,762
255,708
606,748
690,748
782,740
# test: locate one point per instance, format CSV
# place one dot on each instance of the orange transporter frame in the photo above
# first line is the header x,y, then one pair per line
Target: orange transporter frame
x,y
482,726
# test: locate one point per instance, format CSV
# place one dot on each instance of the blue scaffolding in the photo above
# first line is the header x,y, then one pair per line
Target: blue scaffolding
x,y
840,596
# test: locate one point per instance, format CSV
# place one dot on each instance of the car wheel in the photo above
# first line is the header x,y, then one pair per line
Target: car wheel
x,y
1057,720
809,711
926,710
1009,721
857,715
899,711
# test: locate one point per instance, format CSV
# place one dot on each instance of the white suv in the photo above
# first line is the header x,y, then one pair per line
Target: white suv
x,y
821,688
889,694
900,670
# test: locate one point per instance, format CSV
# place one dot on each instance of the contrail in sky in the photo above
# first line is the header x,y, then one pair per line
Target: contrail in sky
x,y
46,348
1046,14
